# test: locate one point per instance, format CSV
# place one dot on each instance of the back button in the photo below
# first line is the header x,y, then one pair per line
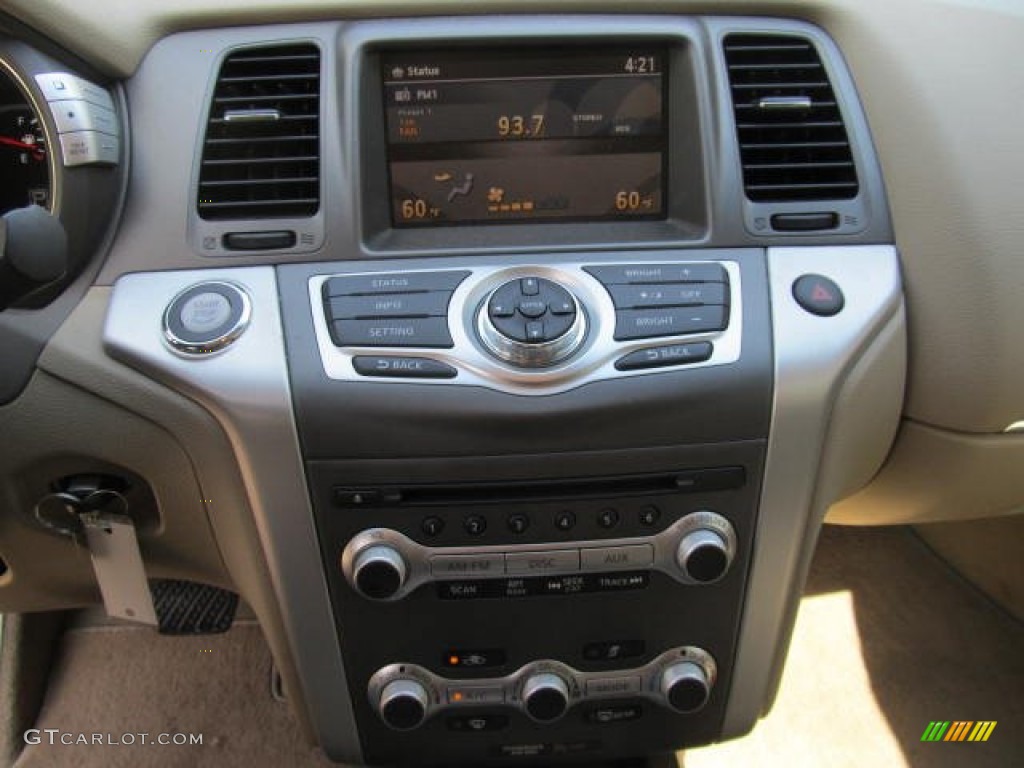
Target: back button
x,y
402,367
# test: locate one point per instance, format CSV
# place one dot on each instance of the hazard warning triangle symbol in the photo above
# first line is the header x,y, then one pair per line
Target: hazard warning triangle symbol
x,y
821,293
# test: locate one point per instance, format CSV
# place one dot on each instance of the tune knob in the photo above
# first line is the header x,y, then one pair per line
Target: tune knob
x,y
379,572
531,322
403,704
546,697
704,554
685,686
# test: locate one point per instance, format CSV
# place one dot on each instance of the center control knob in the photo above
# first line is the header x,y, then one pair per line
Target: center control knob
x,y
379,572
685,686
546,697
531,322
403,704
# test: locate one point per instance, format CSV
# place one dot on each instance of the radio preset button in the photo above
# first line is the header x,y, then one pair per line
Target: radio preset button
x,y
564,521
608,518
475,525
432,526
554,561
518,523
617,558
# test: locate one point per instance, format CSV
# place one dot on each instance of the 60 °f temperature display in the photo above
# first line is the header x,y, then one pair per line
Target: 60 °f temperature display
x,y
521,135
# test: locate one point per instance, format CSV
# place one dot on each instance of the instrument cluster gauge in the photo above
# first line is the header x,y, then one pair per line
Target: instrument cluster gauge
x,y
24,162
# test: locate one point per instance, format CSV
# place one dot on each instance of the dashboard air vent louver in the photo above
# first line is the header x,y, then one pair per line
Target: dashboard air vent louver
x,y
261,156
793,144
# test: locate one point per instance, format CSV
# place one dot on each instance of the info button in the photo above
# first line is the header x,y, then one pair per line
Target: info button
x,y
555,561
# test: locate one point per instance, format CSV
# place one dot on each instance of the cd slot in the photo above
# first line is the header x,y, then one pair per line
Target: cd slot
x,y
686,481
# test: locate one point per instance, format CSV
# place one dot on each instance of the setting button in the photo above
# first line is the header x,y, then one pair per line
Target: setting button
x,y
409,332
402,367
206,317
659,357
557,561
617,558
650,323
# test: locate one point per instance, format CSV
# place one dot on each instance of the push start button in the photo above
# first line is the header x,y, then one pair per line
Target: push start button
x,y
206,318
205,312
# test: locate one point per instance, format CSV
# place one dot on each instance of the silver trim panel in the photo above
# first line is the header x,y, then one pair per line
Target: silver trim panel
x,y
246,388
430,564
511,690
812,358
594,360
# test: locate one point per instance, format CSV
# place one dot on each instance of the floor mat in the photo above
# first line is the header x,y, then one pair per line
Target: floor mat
x,y
888,639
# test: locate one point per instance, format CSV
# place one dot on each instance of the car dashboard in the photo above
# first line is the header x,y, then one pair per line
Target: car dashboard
x,y
507,366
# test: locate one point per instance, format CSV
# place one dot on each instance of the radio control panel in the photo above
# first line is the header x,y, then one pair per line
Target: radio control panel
x,y
382,564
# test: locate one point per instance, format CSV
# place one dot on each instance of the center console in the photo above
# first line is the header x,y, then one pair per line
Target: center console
x,y
541,409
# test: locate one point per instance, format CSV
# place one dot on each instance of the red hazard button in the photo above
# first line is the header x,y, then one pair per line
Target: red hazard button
x,y
818,295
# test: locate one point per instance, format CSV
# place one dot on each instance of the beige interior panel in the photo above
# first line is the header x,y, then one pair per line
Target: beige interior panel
x,y
933,475
76,353
54,430
987,553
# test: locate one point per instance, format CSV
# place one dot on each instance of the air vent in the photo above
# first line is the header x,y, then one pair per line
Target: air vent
x,y
793,144
261,156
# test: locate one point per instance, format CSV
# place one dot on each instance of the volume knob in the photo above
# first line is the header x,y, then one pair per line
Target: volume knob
x,y
546,697
379,572
685,686
403,704
704,555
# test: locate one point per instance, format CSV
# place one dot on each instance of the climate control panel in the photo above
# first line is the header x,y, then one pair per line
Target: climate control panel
x,y
405,696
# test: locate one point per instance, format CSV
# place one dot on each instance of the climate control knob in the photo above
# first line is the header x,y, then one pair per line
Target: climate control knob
x,y
705,553
379,571
685,686
546,697
403,704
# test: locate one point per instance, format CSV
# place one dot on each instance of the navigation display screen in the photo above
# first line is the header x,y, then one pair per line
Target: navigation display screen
x,y
493,136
